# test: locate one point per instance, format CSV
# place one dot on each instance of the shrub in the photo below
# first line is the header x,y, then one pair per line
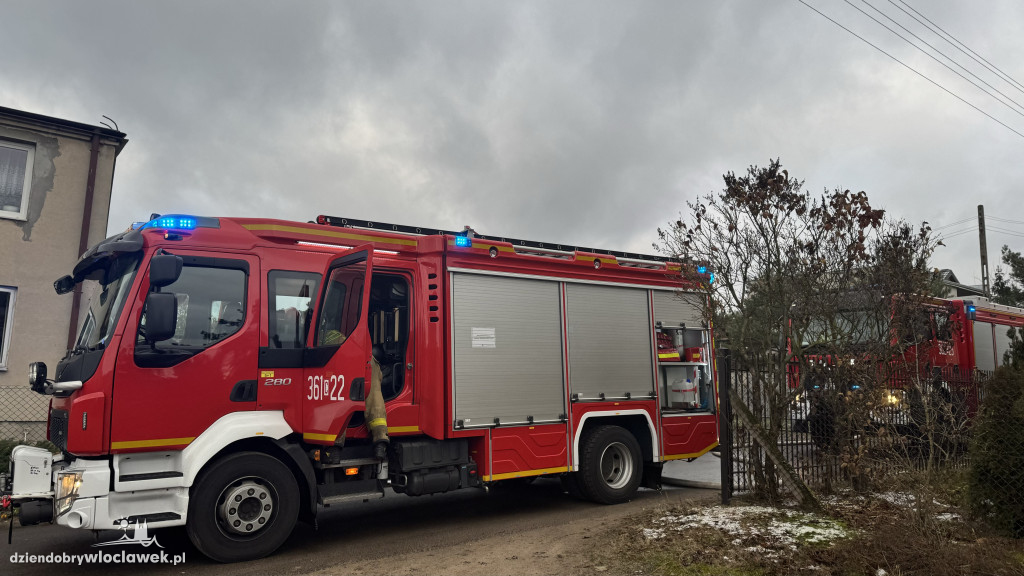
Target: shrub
x,y
996,477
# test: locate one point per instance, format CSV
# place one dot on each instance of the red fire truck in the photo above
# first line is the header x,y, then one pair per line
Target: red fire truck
x,y
956,341
971,334
209,388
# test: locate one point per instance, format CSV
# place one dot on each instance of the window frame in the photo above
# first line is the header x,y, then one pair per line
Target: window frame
x,y
26,189
273,328
154,361
8,327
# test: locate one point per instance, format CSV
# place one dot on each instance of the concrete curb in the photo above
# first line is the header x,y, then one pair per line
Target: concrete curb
x,y
691,483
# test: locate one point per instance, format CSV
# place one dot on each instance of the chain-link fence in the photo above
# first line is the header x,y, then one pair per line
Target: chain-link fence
x,y
22,414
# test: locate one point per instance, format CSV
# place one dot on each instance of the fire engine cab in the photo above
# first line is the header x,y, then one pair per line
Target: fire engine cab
x,y
220,374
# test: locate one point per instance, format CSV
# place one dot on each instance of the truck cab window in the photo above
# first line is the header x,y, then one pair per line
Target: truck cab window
x,y
291,307
342,304
943,326
211,307
389,329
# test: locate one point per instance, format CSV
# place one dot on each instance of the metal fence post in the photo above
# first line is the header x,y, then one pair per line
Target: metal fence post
x,y
725,440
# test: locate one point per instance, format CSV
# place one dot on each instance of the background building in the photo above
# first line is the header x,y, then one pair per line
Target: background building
x,y
55,183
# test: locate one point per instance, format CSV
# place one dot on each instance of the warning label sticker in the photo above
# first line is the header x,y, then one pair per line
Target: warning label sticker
x,y
483,338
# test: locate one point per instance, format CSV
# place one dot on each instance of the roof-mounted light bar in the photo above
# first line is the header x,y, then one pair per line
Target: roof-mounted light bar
x,y
177,223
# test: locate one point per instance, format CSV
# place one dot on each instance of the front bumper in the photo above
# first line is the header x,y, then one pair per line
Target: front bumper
x,y
78,493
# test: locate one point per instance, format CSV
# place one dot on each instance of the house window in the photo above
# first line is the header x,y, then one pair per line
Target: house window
x,y
7,295
15,179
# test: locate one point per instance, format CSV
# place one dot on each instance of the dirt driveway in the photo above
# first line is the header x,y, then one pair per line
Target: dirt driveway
x,y
526,530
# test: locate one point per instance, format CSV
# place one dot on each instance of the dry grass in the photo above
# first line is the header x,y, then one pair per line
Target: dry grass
x,y
878,535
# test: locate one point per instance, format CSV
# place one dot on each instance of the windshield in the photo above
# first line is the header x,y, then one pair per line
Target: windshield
x,y
846,327
106,291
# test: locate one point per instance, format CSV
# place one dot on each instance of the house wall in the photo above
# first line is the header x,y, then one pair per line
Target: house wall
x,y
40,248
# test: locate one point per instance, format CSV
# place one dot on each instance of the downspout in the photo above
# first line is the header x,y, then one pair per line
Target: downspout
x,y
83,239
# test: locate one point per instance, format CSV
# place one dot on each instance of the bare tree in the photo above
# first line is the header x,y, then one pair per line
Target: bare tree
x,y
805,289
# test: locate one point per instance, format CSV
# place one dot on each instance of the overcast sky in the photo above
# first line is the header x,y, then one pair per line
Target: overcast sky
x,y
588,123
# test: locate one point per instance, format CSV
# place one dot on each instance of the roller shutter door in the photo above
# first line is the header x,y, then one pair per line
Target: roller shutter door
x,y
610,349
507,336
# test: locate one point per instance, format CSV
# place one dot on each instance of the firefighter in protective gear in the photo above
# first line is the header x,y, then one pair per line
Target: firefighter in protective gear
x,y
374,411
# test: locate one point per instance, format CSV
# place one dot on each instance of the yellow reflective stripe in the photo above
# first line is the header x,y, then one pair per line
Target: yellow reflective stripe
x,y
694,455
525,473
328,234
150,443
662,356
592,258
321,437
377,422
400,429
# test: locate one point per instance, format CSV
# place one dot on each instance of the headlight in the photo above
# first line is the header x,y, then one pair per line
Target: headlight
x,y
68,484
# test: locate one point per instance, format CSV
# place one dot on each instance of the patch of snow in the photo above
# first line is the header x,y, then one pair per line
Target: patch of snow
x,y
653,533
948,517
779,527
901,499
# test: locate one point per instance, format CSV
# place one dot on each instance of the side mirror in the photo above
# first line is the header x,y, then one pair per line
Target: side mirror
x,y
64,284
37,377
161,316
164,269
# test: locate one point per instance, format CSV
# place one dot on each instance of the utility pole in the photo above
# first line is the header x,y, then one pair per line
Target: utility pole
x,y
984,249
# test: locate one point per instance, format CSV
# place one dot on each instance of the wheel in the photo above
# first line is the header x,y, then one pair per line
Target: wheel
x,y
610,465
243,507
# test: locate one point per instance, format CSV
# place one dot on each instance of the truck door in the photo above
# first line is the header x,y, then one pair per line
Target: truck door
x,y
167,393
337,364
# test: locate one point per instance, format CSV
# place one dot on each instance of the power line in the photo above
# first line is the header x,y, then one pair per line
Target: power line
x,y
1005,220
970,53
954,223
901,63
942,54
1005,231
958,233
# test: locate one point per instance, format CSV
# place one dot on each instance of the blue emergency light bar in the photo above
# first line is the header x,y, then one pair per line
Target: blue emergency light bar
x,y
463,241
173,223
178,223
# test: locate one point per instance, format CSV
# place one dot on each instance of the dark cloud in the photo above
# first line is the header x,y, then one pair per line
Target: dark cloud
x,y
580,122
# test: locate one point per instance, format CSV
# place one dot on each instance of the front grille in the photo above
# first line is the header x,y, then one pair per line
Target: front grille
x,y
58,433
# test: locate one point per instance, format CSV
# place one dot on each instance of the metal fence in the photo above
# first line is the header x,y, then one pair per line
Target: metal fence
x,y
833,434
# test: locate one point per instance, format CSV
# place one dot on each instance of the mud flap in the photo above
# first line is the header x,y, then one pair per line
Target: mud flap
x,y
652,475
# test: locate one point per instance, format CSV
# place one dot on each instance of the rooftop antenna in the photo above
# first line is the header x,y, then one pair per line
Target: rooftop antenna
x,y
115,128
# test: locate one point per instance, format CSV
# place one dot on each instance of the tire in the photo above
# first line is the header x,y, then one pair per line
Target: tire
x,y
610,465
249,531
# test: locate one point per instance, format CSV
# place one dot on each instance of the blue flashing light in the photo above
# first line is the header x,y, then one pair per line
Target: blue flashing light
x,y
173,223
702,269
463,241
855,386
711,278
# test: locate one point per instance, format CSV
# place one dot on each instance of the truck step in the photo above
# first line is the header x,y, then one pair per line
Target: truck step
x,y
351,463
357,496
